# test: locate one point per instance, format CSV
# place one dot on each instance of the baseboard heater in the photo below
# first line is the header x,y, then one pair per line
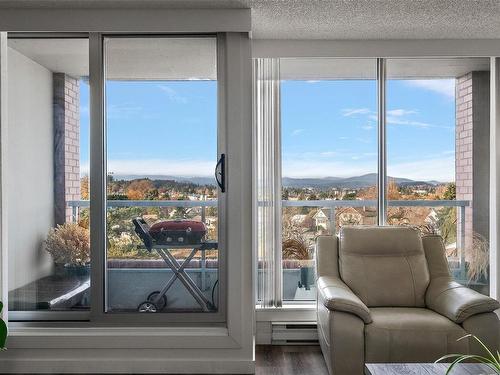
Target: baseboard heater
x,y
294,333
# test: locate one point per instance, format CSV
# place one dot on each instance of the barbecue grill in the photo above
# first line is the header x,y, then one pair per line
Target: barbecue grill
x,y
165,236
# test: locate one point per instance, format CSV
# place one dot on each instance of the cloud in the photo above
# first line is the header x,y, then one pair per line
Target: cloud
x,y
445,87
368,127
391,120
296,168
84,110
328,153
343,138
439,169
364,140
400,112
348,112
121,111
177,167
297,132
312,81
172,94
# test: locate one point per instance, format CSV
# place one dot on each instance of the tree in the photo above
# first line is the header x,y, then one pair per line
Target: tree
x,y
349,196
84,188
312,197
138,189
447,216
450,192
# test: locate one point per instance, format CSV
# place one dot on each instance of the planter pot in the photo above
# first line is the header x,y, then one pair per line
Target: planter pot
x,y
306,277
71,270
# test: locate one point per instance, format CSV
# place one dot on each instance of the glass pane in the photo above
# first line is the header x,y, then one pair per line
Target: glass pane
x,y
48,109
161,114
329,156
437,145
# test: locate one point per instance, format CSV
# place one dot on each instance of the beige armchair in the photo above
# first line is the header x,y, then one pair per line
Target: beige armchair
x,y
385,294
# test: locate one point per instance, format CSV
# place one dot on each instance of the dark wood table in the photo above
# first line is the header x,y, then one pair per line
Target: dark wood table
x,y
426,369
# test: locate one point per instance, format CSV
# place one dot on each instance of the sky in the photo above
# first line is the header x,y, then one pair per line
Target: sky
x,y
328,128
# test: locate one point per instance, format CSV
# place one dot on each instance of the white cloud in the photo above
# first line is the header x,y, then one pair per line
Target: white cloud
x,y
444,87
368,127
391,120
84,110
176,167
348,112
121,111
328,153
400,112
317,168
172,94
312,81
343,138
297,132
439,169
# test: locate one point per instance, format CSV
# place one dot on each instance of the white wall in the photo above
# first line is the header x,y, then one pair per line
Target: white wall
x,y
30,174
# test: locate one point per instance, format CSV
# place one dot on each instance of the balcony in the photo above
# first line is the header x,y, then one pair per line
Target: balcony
x,y
133,275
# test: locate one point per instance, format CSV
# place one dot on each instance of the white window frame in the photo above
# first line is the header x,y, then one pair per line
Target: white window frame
x,y
382,50
58,346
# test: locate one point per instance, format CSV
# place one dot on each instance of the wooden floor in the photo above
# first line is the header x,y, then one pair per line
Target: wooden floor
x,y
278,360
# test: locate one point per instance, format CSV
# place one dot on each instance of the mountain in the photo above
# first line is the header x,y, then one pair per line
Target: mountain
x,y
193,180
355,182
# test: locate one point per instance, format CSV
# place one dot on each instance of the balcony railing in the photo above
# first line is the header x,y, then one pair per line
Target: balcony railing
x,y
332,205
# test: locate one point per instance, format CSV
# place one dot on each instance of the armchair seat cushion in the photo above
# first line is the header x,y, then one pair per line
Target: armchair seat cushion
x,y
403,334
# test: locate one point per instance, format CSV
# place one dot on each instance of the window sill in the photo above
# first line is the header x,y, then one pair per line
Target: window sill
x,y
289,312
21,336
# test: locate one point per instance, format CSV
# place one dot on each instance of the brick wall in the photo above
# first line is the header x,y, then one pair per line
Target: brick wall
x,y
66,144
464,148
472,150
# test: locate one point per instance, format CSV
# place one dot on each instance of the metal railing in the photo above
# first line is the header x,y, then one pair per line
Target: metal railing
x,y
77,205
330,204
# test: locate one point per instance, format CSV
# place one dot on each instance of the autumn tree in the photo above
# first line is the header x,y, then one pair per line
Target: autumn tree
x,y
139,189
84,188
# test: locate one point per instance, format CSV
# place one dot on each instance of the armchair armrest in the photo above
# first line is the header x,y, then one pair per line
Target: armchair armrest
x,y
336,296
456,301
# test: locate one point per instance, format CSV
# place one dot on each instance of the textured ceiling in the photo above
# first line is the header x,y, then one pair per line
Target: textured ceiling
x,y
336,19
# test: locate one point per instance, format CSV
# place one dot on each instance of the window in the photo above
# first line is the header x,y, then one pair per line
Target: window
x,y
332,147
156,138
437,156
162,150
48,171
328,157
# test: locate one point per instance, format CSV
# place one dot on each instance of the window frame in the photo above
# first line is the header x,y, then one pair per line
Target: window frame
x,y
98,174
96,315
382,201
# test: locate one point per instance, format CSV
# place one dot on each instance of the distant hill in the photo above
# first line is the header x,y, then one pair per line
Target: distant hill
x,y
355,182
193,180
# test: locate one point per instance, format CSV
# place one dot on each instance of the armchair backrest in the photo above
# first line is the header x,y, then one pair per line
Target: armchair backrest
x,y
384,266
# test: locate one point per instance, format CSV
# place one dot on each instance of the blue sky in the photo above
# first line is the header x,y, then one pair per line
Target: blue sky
x,y
328,128
159,128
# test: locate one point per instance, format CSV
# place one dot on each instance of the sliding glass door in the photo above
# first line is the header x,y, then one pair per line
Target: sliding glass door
x,y
162,218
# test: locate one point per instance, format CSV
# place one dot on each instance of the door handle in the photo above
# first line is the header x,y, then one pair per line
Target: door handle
x,y
220,171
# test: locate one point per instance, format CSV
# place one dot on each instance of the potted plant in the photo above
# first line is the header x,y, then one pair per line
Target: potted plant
x,y
69,245
297,248
3,330
491,360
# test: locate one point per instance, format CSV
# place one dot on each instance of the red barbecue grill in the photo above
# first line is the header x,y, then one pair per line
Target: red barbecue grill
x,y
164,237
